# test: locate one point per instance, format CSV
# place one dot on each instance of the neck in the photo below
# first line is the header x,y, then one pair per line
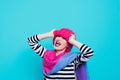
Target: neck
x,y
59,52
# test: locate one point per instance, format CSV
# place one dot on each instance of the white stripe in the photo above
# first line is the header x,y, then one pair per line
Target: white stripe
x,y
66,72
86,49
58,79
30,40
83,58
31,43
90,50
33,39
69,67
89,54
64,76
35,46
37,50
83,48
40,49
42,54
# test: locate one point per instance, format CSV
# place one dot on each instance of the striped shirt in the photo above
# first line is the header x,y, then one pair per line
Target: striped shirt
x,y
67,73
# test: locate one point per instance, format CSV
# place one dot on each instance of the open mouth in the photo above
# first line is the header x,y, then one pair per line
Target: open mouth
x,y
57,43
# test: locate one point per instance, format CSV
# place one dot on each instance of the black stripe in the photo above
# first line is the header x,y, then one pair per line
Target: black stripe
x,y
31,40
37,47
32,47
44,79
60,77
67,69
69,66
88,56
28,39
79,58
38,52
82,46
88,50
84,49
34,39
83,57
63,74
37,37
42,51
31,44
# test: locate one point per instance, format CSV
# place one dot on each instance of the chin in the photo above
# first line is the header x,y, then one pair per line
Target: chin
x,y
56,48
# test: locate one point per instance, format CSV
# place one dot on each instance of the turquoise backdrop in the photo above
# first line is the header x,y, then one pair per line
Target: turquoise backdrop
x,y
95,22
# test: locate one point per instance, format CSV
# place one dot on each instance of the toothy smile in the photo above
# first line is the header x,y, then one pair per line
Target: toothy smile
x,y
57,43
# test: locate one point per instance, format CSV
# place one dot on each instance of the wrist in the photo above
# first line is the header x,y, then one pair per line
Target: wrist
x,y
76,43
50,34
72,41
45,35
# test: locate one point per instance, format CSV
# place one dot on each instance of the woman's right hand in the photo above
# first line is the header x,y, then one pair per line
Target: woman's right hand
x,y
46,35
51,33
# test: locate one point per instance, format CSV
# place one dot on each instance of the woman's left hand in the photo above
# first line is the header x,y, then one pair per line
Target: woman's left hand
x,y
71,39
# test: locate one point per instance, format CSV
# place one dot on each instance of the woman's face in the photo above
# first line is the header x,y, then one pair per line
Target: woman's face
x,y
60,44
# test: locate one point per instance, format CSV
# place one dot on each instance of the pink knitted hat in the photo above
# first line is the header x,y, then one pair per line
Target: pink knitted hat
x,y
65,33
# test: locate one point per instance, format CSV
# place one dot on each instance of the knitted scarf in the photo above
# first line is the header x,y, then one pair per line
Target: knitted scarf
x,y
53,64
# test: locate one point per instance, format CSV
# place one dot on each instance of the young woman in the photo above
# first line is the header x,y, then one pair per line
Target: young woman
x,y
60,63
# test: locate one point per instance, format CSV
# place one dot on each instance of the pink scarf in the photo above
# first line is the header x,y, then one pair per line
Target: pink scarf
x,y
50,59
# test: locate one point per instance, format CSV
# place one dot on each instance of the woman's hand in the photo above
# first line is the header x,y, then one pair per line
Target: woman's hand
x,y
72,39
74,42
51,33
46,35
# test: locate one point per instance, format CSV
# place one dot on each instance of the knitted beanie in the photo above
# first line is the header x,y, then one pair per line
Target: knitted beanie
x,y
65,33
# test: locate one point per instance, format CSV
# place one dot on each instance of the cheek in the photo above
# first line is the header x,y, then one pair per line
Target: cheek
x,y
65,44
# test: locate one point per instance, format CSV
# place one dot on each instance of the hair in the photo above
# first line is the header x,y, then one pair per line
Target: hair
x,y
65,33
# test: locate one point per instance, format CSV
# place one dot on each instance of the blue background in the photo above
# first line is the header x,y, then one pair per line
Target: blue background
x,y
95,22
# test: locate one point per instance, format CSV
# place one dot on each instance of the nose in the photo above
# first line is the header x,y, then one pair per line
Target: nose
x,y
59,37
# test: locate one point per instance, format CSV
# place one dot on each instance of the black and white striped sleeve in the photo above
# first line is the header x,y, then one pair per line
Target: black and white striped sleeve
x,y
86,54
33,42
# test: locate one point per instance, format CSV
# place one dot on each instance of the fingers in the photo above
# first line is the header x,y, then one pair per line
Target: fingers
x,y
52,32
72,39
72,36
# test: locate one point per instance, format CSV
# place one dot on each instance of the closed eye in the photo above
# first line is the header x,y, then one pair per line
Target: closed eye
x,y
58,36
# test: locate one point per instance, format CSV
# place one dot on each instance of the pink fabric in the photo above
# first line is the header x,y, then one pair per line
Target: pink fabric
x,y
65,33
50,59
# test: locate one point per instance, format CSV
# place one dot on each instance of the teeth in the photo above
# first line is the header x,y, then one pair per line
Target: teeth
x,y
57,43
